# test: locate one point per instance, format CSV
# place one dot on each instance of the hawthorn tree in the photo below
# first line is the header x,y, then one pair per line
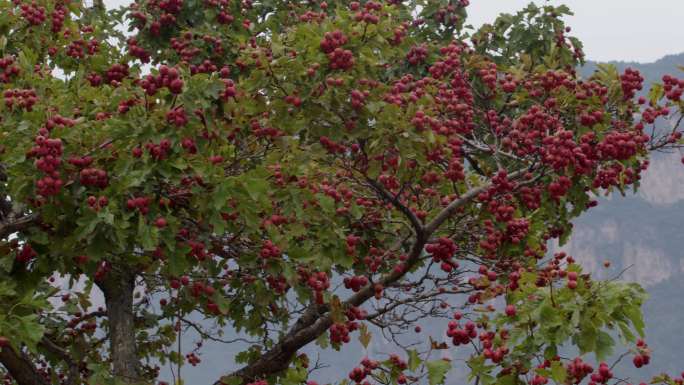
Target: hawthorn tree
x,y
306,172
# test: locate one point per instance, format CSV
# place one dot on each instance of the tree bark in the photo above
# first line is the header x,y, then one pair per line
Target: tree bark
x,y
21,368
118,291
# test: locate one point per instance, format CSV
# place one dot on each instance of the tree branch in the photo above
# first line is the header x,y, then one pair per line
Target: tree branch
x,y
460,202
315,322
21,368
12,225
386,195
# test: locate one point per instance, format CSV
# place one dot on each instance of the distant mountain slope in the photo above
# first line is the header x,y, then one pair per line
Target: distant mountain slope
x,y
652,72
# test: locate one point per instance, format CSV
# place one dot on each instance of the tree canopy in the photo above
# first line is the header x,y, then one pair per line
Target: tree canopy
x,y
308,172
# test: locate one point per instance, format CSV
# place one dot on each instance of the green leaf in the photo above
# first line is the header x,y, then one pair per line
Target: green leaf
x,y
558,372
327,204
437,371
257,188
413,360
364,335
604,345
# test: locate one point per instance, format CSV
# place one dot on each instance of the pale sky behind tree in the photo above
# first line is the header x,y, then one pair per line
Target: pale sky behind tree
x,y
629,30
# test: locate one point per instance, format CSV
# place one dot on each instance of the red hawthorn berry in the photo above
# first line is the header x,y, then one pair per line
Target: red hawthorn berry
x,y
511,310
160,222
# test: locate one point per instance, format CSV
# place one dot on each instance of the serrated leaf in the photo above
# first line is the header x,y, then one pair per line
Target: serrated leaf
x,y
413,360
364,335
437,371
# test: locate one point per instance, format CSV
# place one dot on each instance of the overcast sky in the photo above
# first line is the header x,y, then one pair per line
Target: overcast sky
x,y
637,30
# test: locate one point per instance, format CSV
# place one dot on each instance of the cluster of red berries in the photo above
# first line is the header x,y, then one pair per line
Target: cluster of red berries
x,y
78,48
8,69
517,229
48,154
20,98
339,332
193,359
198,250
355,283
205,67
139,203
94,177
367,15
461,336
278,284
673,87
495,355
358,374
58,16
177,117
269,250
294,100
572,280
358,98
351,241
81,161
33,13
602,376
157,151
97,203
489,76
442,250
559,150
126,104
189,145
559,187
621,145
224,17
355,313
644,355
502,211
198,289
137,51
171,6
631,81
341,59
116,73
332,146
333,40
539,380
168,77
649,115
176,283
608,176
417,54
578,370
318,282
184,48
508,84
229,90
260,131
94,79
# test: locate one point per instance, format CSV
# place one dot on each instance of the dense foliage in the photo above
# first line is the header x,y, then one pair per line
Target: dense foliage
x,y
309,172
